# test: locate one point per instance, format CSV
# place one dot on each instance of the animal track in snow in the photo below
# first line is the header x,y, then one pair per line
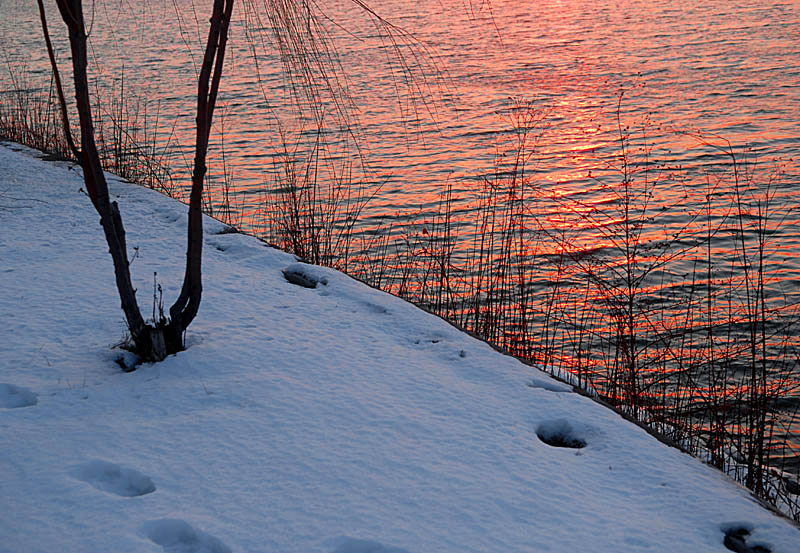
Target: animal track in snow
x,y
560,433
13,397
351,545
178,536
112,478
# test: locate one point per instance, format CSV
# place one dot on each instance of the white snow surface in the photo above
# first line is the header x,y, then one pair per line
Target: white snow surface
x,y
335,419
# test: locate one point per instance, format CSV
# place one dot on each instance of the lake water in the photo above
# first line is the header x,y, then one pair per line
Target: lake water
x,y
438,104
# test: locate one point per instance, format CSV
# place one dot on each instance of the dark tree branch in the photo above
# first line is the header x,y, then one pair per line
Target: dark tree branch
x,y
185,307
59,88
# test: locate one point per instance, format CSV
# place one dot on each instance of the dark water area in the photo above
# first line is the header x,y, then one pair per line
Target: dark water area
x,y
548,174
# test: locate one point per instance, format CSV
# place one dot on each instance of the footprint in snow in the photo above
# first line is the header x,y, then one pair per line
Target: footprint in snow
x,y
228,230
112,478
351,545
376,308
549,384
560,433
13,397
178,536
168,214
435,339
736,538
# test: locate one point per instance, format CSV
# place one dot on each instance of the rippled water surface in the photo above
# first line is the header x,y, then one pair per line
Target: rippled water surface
x,y
725,71
716,68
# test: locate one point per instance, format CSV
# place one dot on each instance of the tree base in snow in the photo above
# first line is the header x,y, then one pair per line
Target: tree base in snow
x,y
153,344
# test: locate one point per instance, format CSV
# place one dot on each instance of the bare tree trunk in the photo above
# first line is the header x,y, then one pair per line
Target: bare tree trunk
x,y
72,14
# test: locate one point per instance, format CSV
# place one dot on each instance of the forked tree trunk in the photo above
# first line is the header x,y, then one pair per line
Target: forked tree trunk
x,y
151,341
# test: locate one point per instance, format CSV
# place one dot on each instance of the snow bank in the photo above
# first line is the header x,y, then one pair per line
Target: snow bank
x,y
332,419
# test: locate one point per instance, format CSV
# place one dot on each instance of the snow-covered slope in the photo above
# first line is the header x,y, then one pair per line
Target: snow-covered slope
x,y
308,420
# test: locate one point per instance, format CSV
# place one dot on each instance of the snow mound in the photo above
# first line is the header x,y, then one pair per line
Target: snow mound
x,y
305,275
